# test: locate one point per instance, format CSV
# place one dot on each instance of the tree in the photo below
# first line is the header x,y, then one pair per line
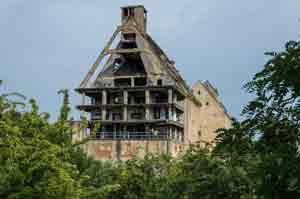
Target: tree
x,y
271,132
37,158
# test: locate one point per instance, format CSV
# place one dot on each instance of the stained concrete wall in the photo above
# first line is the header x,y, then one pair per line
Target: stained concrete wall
x,y
201,122
128,149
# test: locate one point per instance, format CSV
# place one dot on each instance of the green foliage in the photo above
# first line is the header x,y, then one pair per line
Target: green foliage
x,y
270,134
37,158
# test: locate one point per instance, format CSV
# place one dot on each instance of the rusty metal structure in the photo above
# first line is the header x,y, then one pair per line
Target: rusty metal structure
x,y
140,100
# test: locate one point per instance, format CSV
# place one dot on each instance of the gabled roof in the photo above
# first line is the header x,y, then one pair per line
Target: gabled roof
x,y
153,58
166,61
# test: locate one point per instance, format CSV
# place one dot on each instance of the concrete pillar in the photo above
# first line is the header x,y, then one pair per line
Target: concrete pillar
x,y
83,99
147,100
132,82
147,113
103,114
170,96
104,97
170,113
175,98
104,101
125,113
147,130
147,96
125,96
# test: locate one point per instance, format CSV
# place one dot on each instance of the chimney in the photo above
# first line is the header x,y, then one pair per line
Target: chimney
x,y
138,13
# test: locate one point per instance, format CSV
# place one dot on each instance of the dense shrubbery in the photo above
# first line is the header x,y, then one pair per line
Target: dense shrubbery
x,y
257,158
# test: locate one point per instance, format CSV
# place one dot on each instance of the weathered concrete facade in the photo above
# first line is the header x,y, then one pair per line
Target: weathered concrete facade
x,y
141,101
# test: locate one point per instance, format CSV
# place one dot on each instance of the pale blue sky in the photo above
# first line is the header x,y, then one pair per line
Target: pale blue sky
x,y
49,45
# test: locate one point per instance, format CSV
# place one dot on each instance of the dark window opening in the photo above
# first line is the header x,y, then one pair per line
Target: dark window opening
x,y
116,116
156,113
129,36
140,81
129,12
159,82
126,13
159,97
117,63
128,45
138,114
139,100
136,98
123,82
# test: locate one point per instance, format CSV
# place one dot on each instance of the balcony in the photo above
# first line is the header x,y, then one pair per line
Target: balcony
x,y
131,136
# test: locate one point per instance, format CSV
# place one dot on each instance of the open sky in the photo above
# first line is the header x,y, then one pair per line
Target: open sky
x,y
49,45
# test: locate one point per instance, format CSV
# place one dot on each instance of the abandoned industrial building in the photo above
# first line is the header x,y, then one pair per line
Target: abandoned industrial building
x,y
140,101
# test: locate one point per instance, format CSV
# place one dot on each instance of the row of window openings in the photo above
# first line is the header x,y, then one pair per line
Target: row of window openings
x,y
128,83
139,133
131,100
136,115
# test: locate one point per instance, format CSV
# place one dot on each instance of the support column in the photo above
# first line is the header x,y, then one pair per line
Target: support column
x,y
104,97
125,113
125,96
125,100
132,82
147,131
104,101
83,99
175,100
147,100
147,96
170,113
83,103
102,131
170,96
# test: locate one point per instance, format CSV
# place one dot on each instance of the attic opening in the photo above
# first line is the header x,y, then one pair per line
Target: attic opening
x,y
131,66
129,12
117,63
129,36
128,41
128,45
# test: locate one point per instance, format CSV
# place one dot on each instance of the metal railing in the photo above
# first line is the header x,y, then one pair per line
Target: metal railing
x,y
131,136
